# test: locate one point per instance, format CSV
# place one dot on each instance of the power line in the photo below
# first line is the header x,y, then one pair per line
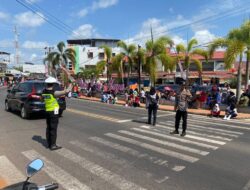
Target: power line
x,y
45,19
220,15
56,22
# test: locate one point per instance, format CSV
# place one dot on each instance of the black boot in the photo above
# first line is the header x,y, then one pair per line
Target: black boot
x,y
175,132
55,147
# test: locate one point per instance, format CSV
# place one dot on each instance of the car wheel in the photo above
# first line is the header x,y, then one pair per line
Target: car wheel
x,y
7,107
24,113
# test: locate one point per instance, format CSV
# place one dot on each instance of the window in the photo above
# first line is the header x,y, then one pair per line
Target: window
x,y
101,55
113,54
90,55
70,66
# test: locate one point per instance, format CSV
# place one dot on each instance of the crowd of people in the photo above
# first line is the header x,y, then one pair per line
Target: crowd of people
x,y
211,97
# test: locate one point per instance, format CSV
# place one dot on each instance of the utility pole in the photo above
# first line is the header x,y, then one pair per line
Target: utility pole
x,y
47,52
16,45
152,39
139,68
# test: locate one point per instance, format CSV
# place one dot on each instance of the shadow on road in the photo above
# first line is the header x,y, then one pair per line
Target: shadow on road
x,y
139,121
33,116
40,140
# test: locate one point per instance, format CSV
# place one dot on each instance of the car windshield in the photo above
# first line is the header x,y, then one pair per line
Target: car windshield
x,y
39,87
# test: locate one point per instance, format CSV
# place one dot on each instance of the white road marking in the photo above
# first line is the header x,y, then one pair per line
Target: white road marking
x,y
166,143
9,171
129,120
233,121
195,133
56,173
214,130
205,139
130,151
154,148
178,168
105,174
168,136
247,186
162,180
122,163
124,121
221,124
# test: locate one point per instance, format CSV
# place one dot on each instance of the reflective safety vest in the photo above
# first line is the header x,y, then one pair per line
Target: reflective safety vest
x,y
50,102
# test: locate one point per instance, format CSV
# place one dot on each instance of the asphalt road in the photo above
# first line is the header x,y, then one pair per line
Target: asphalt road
x,y
110,147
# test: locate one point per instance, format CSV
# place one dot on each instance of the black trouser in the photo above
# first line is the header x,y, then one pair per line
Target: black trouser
x,y
178,116
51,131
152,108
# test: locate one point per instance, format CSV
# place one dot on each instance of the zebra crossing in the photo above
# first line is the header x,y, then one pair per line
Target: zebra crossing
x,y
151,144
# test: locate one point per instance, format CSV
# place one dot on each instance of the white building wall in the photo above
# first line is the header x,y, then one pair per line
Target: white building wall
x,y
33,68
84,51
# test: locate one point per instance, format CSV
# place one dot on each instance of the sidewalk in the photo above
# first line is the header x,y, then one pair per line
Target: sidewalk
x,y
171,108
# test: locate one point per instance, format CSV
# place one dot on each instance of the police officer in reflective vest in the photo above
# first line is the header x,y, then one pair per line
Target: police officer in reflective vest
x,y
52,111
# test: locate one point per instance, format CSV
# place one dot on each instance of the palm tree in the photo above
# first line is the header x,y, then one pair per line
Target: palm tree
x,y
101,64
236,45
156,52
60,58
88,73
117,66
187,55
129,52
139,59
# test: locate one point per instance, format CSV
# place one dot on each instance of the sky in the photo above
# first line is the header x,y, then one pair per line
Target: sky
x,y
42,23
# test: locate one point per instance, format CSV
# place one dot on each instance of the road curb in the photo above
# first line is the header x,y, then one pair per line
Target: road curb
x,y
171,108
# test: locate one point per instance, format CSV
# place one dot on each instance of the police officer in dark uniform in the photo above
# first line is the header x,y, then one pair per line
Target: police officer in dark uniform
x,y
52,111
182,98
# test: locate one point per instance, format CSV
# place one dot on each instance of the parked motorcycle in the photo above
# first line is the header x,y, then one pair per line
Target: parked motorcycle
x,y
34,167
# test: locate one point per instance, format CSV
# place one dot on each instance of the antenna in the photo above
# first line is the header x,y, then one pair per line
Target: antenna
x,y
16,45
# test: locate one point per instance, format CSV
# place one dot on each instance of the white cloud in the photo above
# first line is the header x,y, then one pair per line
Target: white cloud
x,y
100,4
204,36
29,19
171,10
178,40
83,12
7,43
33,44
159,28
32,1
84,31
4,16
33,57
179,17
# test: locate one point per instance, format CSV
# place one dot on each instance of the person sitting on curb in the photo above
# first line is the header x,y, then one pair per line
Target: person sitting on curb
x,y
216,110
231,112
244,100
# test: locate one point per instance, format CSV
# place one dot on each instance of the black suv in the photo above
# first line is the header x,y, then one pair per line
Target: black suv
x,y
26,97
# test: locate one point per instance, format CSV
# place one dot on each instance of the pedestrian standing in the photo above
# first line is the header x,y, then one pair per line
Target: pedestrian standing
x,y
181,106
152,104
52,111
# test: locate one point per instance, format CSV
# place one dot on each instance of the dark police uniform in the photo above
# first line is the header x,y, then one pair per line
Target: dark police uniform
x,y
52,116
